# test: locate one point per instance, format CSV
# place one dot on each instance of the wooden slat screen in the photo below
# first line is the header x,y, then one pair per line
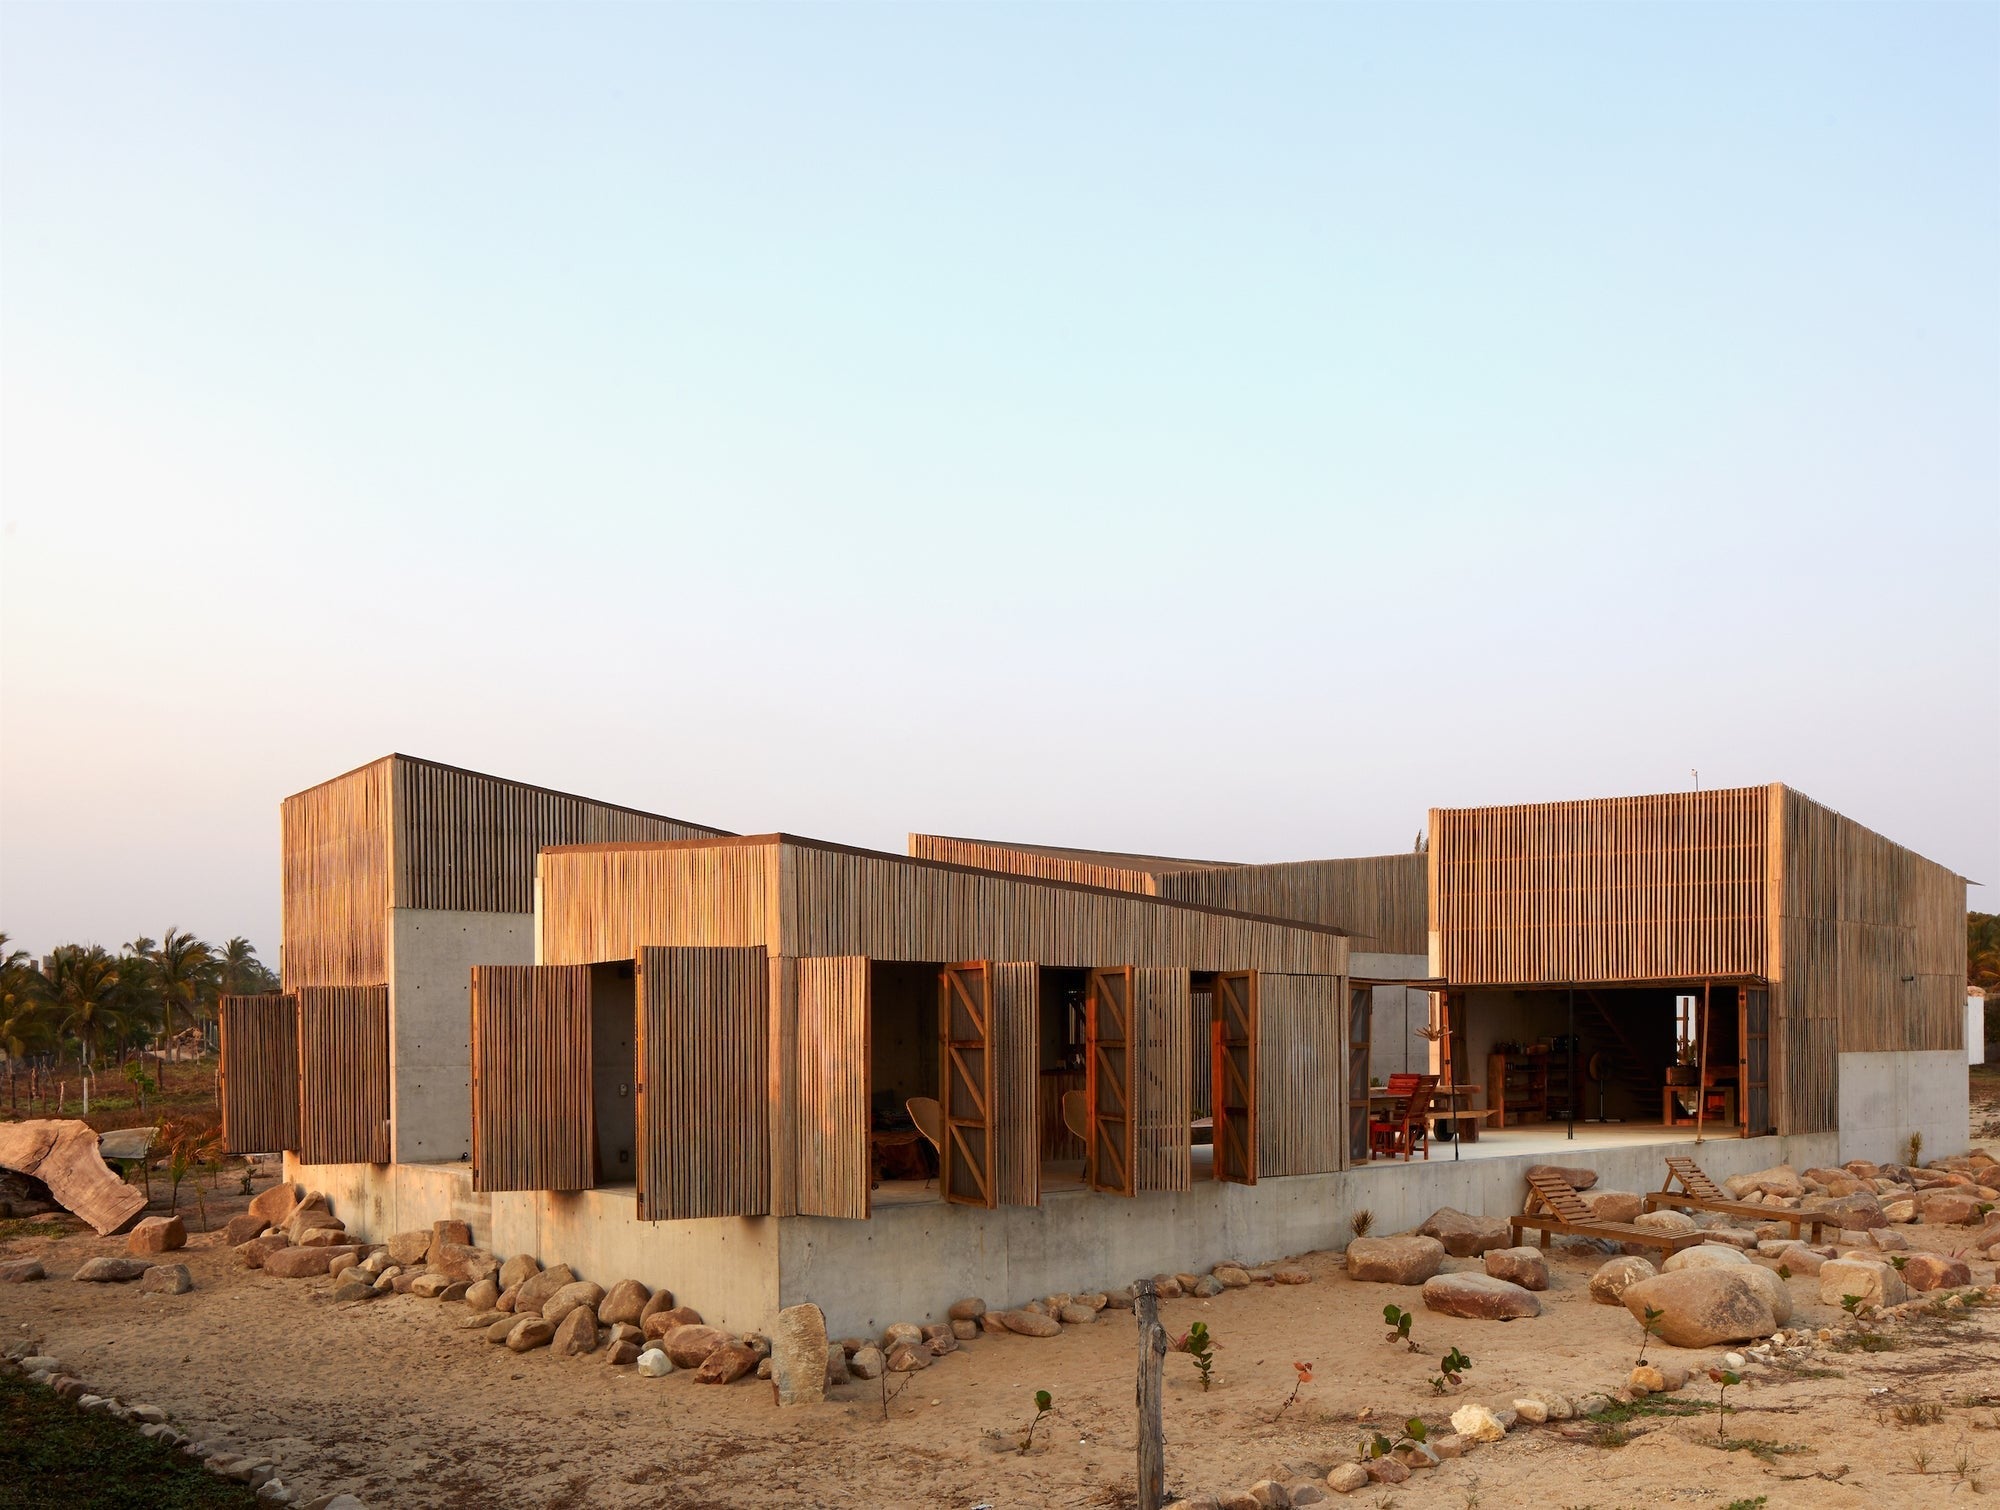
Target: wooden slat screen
x,y
1753,1036
1360,1053
533,1119
335,847
1302,1069
1380,899
1163,1053
1108,1077
965,1068
344,1074
1234,1076
832,1079
1017,1109
1628,888
704,1079
608,903
258,1070
1085,867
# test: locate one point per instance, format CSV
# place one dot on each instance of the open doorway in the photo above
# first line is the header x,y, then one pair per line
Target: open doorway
x,y
902,1074
1060,1077
614,1071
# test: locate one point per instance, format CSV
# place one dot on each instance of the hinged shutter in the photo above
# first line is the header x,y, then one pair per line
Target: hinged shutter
x,y
1360,1048
1754,1036
831,1083
965,1072
533,1122
259,1072
1108,1079
1017,1112
1162,1070
344,1074
1301,1063
1234,1076
704,1126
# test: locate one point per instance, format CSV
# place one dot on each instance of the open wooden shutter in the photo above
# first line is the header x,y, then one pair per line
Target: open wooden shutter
x,y
1234,1076
1108,1078
533,1119
1753,1037
1163,1053
1300,1067
258,1072
704,1124
344,1074
1017,1109
831,1086
965,1072
1360,1048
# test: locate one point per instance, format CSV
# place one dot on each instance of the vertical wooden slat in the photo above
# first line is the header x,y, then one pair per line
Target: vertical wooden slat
x,y
833,1084
1017,1105
533,1122
344,1074
1302,1062
704,1080
965,1072
1162,1077
258,1071
1108,1079
1234,1076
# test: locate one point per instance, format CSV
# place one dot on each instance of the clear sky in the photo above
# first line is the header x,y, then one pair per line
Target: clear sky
x,y
1222,431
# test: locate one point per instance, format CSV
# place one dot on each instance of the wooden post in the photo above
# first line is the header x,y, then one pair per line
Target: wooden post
x,y
1701,1073
1152,1361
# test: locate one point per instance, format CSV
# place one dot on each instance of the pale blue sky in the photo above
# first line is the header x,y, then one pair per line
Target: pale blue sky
x,y
1222,431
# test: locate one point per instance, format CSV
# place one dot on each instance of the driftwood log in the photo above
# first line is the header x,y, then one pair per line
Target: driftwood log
x,y
63,1156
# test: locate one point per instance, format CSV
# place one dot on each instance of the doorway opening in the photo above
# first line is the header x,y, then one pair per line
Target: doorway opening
x,y
614,1072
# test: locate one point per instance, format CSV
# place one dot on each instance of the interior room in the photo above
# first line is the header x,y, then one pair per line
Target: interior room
x,y
902,1067
614,1071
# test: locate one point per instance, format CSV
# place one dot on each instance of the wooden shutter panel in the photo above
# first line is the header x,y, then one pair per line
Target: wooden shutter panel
x,y
1163,1048
344,1074
704,1083
1301,1064
533,1116
1108,1078
831,1084
1753,1035
259,1072
1360,1049
1017,1111
1234,1076
965,1073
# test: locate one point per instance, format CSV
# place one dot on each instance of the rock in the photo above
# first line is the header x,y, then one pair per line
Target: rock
x,y
655,1364
1614,1205
299,1263
1204,1286
799,1355
1778,1180
1949,1209
908,1357
1347,1478
408,1248
310,1219
1704,1307
499,1330
460,1261
624,1331
618,1354
1473,1422
1075,1314
1871,1279
1609,1283
517,1270
1933,1271
1408,1259
529,1333
1479,1297
659,1323
1702,1256
274,1206
99,1271
1521,1266
325,1237
1270,1495
969,1309
965,1331
867,1363
1678,1223
1290,1274
1463,1236
579,1292
1800,1259
1305,1493
1231,1276
1448,1446
1889,1242
1531,1410
253,1253
20,1271
429,1286
350,1290
1646,1380
537,1288
1388,1471
342,1263
157,1234
1576,1178
576,1333
1732,1237
483,1296
660,1300
1030,1323
689,1346
449,1231
174,1279
836,1367
901,1331
623,1304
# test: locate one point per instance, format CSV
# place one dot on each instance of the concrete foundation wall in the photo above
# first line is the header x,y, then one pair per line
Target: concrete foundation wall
x,y
431,955
1886,1097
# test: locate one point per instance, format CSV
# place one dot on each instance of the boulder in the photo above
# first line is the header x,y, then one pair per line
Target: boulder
x,y
310,1218
1479,1297
726,1364
624,1331
618,1354
867,1363
1799,1258
624,1303
1407,1259
1030,1323
908,1357
483,1296
100,1271
579,1292
1463,1236
576,1333
238,1230
429,1286
253,1253
157,1234
1290,1274
174,1279
274,1206
1704,1307
1933,1271
351,1290
965,1331
689,1346
667,1318
325,1237
1347,1478
1947,1208
408,1248
342,1263
450,1231
901,1331
970,1309
1614,1205
298,1263
1576,1178
1519,1266
799,1355
1702,1256
460,1261
528,1333
1874,1280
517,1270
1677,1223
18,1271
1077,1314
655,1364
498,1331
1473,1422
1231,1276
537,1288
1779,1180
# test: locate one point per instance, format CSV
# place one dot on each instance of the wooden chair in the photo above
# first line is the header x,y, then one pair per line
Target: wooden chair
x,y
1406,1125
928,1116
1699,1193
1553,1206
1076,1117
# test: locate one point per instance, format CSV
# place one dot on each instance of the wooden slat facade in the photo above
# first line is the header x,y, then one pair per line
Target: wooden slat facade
x,y
258,1072
1301,1074
344,1074
1084,867
1380,900
831,1088
533,1122
609,902
704,1051
1018,1133
1163,1054
337,856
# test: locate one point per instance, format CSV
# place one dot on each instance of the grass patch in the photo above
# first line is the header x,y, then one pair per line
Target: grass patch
x,y
1798,1370
1760,1447
30,1226
51,1453
1756,1504
1865,1342
1617,1413
1607,1434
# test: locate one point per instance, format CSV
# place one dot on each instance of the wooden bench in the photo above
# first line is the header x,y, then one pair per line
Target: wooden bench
x,y
1699,1193
1554,1207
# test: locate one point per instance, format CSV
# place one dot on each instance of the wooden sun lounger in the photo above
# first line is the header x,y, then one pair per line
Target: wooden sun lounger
x,y
1553,1207
1699,1193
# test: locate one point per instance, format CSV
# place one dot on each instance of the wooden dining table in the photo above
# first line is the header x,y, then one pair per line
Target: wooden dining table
x,y
1464,1112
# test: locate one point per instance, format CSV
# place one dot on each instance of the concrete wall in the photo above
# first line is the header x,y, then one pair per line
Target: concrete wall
x,y
431,955
1398,1047
1885,1097
1975,1030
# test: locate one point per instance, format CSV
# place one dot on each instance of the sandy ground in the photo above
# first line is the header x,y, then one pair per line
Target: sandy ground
x,y
396,1402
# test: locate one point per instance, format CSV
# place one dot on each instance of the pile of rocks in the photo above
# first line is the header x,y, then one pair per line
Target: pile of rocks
x,y
1963,1191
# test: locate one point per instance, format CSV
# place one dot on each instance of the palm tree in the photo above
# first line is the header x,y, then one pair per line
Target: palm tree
x,y
243,974
24,1021
186,972
85,997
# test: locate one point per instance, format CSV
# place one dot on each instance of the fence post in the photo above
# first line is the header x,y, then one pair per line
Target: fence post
x,y
1152,1357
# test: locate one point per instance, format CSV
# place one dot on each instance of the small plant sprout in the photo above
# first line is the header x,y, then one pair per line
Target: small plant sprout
x,y
1195,1342
1305,1377
1362,1222
1723,1378
1398,1321
1784,1271
1897,1260
1852,1305
1649,1328
1044,1405
1451,1372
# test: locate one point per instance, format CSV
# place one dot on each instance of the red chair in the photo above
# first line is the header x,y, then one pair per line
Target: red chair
x,y
1404,1127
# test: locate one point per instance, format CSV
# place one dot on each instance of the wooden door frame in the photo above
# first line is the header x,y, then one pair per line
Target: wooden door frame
x,y
977,1081
1233,1122
1096,1064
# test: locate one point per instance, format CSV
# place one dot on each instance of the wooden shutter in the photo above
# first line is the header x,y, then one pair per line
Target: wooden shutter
x,y
1108,1078
1234,1076
344,1074
965,1073
704,1124
831,1083
1017,1112
259,1072
1301,1066
1360,1048
1163,1053
1753,1037
533,1117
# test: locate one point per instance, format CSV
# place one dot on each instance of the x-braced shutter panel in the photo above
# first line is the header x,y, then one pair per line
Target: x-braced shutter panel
x,y
1234,1076
965,1064
259,1072
1017,1112
1108,1078
831,1085
533,1116
704,1083
344,1074
1163,1048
